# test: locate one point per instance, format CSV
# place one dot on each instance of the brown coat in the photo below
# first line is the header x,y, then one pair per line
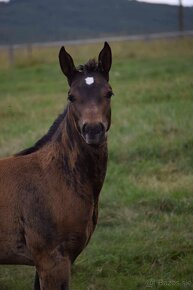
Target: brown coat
x,y
49,192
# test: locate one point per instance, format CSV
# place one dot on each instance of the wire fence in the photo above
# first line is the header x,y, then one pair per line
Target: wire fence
x,y
29,47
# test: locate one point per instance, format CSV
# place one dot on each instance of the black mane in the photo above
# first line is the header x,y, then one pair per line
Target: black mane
x,y
46,138
90,66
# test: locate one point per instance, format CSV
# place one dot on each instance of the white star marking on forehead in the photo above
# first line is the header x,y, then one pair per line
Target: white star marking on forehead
x,y
89,80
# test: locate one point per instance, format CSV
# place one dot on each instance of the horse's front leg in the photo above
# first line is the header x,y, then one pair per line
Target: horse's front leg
x,y
54,274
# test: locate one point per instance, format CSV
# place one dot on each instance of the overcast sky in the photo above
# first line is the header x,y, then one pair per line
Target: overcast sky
x,y
172,2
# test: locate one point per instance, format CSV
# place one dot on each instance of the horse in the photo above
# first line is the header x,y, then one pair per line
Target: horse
x,y
49,193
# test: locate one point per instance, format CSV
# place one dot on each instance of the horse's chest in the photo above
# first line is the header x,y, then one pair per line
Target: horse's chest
x,y
77,226
74,211
78,217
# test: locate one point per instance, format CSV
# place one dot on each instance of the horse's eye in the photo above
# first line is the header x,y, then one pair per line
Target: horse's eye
x,y
71,98
109,95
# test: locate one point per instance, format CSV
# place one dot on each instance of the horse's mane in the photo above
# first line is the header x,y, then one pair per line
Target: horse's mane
x,y
46,138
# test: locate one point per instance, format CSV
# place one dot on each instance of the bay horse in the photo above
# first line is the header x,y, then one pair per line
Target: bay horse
x,y
49,192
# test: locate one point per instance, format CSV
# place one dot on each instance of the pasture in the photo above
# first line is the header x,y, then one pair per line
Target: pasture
x,y
144,238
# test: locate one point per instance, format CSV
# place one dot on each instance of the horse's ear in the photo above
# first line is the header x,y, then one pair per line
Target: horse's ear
x,y
67,64
105,60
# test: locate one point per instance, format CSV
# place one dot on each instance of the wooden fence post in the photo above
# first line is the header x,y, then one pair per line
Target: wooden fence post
x,y
181,16
11,55
29,51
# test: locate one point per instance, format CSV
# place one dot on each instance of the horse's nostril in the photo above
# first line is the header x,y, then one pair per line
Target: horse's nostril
x,y
84,128
93,129
102,127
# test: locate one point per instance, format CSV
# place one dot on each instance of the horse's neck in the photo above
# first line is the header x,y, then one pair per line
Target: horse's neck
x,y
70,156
87,162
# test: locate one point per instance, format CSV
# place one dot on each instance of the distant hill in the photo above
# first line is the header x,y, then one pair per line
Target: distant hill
x,y
24,21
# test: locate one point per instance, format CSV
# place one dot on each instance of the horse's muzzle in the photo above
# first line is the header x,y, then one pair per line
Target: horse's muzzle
x,y
93,134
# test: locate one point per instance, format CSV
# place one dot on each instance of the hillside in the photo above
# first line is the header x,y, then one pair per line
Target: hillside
x,y
47,20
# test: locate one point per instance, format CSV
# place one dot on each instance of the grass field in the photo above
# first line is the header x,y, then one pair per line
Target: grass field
x,y
144,238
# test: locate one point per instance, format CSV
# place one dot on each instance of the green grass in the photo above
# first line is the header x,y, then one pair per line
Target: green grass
x,y
145,233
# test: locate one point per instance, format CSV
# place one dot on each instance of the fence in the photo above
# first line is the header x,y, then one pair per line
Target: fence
x,y
30,46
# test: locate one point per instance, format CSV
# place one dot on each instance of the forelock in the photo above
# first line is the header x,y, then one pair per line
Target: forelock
x,y
89,67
